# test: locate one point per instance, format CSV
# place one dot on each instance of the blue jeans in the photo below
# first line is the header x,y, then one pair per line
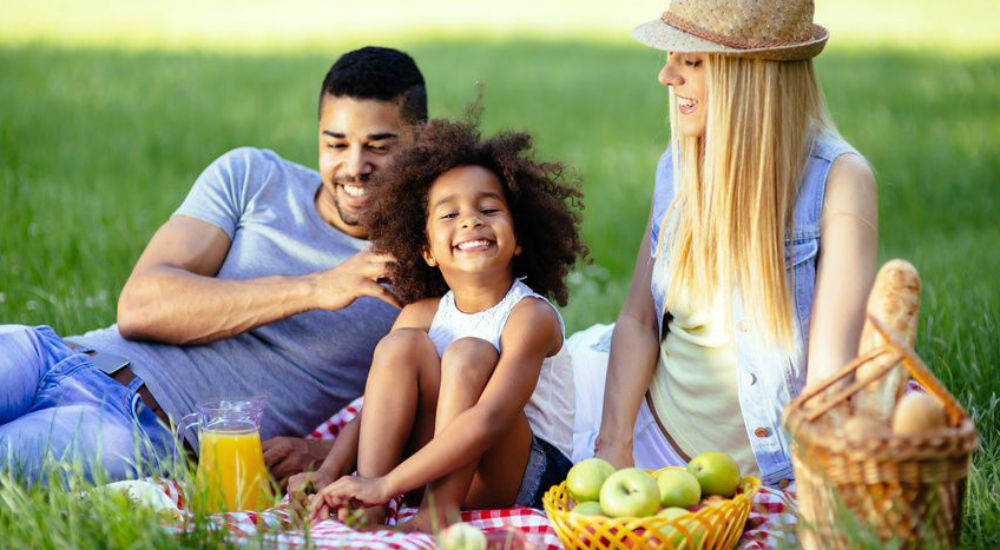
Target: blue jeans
x,y
547,466
55,405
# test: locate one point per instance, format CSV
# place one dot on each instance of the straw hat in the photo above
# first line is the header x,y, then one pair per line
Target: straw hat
x,y
771,29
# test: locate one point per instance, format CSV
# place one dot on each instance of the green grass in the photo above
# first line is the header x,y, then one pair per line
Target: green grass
x,y
72,511
99,143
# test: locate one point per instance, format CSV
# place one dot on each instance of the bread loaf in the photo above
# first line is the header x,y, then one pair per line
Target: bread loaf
x,y
894,300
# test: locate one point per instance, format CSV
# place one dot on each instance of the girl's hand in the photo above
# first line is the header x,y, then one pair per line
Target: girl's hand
x,y
349,492
302,487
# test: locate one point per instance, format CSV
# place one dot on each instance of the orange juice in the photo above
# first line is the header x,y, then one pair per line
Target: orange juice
x,y
231,470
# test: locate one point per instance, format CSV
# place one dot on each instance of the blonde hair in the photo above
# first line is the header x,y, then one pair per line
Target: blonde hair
x,y
737,184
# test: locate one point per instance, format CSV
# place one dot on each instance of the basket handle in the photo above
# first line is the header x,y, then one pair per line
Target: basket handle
x,y
922,374
901,353
842,395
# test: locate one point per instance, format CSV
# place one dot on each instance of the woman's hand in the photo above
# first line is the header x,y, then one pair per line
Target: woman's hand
x,y
619,454
350,492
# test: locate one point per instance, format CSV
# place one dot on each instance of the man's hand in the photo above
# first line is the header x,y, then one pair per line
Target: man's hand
x,y
287,456
359,276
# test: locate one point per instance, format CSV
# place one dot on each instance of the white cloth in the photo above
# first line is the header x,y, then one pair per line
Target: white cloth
x,y
650,448
551,406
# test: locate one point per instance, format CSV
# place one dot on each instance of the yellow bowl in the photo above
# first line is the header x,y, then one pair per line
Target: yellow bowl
x,y
715,527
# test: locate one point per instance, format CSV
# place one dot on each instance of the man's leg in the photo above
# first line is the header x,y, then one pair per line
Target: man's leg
x,y
56,405
81,435
24,360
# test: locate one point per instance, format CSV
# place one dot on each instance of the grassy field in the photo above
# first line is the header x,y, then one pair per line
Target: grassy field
x,y
102,134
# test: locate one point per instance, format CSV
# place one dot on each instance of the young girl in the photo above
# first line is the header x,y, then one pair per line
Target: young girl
x,y
471,394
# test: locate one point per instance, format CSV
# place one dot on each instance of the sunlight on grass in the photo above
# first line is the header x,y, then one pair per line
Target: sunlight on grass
x,y
961,26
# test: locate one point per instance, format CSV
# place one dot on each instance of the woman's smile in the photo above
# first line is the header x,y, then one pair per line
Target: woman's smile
x,y
684,73
686,105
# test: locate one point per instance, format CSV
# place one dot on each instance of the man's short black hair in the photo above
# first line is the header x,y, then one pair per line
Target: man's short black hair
x,y
379,73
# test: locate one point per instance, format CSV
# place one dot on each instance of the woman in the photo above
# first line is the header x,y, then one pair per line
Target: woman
x,y
759,251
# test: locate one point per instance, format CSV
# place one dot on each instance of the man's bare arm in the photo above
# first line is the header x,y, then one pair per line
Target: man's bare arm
x,y
173,296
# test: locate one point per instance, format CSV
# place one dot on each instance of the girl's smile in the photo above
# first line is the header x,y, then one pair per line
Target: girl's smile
x,y
474,245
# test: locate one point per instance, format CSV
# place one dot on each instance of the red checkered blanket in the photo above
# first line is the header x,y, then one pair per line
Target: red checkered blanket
x,y
771,521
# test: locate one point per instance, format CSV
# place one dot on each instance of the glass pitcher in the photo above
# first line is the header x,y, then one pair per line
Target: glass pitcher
x,y
231,471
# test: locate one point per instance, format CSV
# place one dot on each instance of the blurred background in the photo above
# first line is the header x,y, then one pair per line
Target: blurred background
x,y
110,109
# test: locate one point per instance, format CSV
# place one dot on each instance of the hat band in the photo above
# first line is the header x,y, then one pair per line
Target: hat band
x,y
728,41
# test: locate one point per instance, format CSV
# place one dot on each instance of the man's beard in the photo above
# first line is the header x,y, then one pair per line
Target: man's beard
x,y
348,217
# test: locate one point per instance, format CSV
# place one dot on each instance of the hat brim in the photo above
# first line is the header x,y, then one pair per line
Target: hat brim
x,y
662,36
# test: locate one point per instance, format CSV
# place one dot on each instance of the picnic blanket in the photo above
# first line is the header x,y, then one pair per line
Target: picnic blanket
x,y
771,521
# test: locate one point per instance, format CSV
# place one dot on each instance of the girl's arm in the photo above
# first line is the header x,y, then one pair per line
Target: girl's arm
x,y
632,362
532,333
846,266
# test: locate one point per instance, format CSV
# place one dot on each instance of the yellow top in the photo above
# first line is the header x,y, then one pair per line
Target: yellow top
x,y
694,392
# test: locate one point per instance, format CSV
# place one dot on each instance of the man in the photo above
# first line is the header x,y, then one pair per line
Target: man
x,y
260,283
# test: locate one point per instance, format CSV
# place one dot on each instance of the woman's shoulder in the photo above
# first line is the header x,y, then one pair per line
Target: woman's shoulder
x,y
664,181
851,188
829,145
834,166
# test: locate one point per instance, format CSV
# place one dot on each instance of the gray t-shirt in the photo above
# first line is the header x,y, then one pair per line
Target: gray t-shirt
x,y
308,365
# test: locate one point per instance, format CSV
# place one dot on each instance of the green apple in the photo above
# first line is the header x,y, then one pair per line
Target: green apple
x,y
461,536
695,531
630,493
586,477
716,472
589,508
673,512
678,488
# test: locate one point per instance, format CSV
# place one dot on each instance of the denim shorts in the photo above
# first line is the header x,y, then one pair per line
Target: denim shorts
x,y
547,466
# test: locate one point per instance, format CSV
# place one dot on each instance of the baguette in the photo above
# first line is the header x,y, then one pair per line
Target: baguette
x,y
894,300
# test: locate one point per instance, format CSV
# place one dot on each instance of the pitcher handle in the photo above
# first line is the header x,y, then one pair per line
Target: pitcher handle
x,y
187,422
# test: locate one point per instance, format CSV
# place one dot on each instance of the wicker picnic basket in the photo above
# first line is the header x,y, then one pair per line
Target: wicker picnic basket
x,y
714,527
904,489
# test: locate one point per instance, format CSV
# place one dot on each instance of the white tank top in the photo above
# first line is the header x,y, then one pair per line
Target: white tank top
x,y
550,408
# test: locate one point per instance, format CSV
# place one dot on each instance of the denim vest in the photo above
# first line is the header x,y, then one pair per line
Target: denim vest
x,y
768,378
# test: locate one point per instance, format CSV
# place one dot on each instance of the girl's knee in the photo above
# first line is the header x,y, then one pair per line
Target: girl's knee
x,y
404,342
401,348
470,357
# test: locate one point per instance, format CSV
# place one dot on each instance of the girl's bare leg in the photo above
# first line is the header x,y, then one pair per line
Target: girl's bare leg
x,y
400,400
490,481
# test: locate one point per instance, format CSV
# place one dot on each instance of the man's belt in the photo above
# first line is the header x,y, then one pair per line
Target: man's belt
x,y
119,369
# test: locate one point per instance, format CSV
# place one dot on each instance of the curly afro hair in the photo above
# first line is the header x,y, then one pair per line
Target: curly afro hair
x,y
543,207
